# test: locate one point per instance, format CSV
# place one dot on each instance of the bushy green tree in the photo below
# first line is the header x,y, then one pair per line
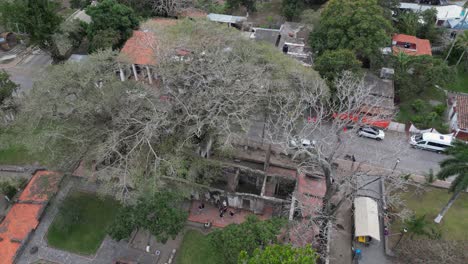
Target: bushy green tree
x,y
235,4
38,18
110,15
104,39
358,25
333,62
80,3
280,254
248,236
160,213
292,9
414,74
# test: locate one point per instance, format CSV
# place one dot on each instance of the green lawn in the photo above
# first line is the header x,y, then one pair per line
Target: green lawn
x,y
454,225
82,229
461,83
196,249
17,155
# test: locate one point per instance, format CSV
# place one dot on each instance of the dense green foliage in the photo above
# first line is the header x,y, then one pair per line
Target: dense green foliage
x,y
420,24
235,4
81,223
161,214
6,188
414,74
38,18
333,62
110,15
79,4
292,9
358,25
280,254
248,236
196,248
424,115
456,165
141,7
7,87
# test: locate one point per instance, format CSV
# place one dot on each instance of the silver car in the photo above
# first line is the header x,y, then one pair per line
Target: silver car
x,y
371,132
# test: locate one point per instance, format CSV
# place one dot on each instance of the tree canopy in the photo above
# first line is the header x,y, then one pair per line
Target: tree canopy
x,y
419,24
38,18
414,74
358,25
110,15
160,213
247,237
84,110
333,62
280,254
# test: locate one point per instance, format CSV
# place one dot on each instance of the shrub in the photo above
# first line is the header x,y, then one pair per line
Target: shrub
x,y
8,189
419,105
440,109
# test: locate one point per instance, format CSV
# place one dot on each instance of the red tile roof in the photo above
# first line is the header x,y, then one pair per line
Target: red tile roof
x,y
140,48
462,110
423,46
22,218
41,186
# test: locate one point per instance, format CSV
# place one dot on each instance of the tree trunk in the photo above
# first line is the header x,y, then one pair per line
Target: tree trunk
x,y
446,207
461,57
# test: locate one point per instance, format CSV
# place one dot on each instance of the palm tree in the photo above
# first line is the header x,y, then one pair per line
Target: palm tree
x,y
456,166
463,44
461,27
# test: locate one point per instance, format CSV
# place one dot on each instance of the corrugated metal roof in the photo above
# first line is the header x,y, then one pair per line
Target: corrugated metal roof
x,y
226,18
366,218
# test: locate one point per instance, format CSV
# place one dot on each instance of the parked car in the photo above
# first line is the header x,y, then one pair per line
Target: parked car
x,y
431,141
301,143
371,132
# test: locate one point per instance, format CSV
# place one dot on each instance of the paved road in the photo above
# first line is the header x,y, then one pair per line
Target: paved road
x,y
29,70
383,154
386,152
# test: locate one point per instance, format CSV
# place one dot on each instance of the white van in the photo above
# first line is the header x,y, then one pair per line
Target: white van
x,y
431,141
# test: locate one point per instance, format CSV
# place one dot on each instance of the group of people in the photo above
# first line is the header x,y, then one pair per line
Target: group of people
x,y
223,208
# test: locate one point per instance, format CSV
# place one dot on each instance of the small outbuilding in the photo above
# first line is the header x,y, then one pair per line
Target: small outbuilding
x,y
366,219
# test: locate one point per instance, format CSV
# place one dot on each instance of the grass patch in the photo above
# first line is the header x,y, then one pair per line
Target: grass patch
x,y
453,226
82,223
460,83
18,155
197,249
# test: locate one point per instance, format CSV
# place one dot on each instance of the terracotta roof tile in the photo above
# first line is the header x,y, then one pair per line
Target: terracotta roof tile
x,y
462,110
22,218
139,49
41,186
423,46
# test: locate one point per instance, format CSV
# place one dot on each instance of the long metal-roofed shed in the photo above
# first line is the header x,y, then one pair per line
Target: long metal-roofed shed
x,y
230,20
366,218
